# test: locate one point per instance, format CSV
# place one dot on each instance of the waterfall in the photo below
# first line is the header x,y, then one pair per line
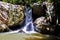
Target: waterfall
x,y
28,23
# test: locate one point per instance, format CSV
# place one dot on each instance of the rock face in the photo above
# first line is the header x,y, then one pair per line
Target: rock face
x,y
10,14
37,11
44,26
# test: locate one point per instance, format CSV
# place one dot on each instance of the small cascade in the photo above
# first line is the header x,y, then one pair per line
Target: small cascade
x,y
28,24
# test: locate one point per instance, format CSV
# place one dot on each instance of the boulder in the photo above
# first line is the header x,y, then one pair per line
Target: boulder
x,y
38,11
43,26
11,14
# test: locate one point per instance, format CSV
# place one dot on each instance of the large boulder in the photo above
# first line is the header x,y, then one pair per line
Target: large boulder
x,y
10,14
43,26
37,11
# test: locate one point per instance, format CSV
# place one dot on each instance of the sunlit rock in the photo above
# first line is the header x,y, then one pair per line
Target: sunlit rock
x,y
11,14
43,26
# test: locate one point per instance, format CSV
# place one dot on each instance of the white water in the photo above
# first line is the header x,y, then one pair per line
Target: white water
x,y
28,27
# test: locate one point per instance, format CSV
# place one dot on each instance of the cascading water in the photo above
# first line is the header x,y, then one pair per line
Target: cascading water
x,y
28,23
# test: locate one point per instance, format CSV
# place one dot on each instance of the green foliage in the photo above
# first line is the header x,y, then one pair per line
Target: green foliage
x,y
21,1
5,0
25,2
10,1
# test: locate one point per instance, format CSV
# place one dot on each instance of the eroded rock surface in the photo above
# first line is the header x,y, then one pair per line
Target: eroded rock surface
x,y
10,14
